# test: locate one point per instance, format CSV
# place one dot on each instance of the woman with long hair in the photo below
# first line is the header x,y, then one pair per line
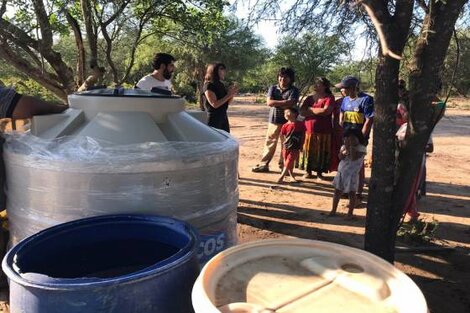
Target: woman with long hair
x,y
317,110
217,96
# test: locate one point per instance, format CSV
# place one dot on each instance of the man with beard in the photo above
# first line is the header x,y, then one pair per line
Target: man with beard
x,y
163,68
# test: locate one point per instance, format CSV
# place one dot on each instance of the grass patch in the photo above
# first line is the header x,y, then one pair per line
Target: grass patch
x,y
191,106
418,232
260,100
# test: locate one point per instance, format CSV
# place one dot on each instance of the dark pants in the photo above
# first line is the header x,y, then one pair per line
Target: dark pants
x,y
3,197
219,121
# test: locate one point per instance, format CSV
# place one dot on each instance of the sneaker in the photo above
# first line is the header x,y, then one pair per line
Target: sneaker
x,y
260,168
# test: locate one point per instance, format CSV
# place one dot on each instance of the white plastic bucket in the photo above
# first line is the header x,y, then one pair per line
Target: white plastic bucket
x,y
303,276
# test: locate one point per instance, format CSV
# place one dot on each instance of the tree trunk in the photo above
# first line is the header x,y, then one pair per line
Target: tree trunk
x,y
81,55
90,32
393,33
381,186
392,180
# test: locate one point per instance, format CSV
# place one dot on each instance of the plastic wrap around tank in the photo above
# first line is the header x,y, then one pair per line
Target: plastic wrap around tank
x,y
123,151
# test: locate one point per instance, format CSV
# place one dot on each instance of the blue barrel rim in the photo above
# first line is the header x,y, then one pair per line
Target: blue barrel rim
x,y
161,267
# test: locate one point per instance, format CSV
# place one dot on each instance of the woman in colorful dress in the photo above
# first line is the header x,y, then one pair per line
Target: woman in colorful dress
x,y
317,110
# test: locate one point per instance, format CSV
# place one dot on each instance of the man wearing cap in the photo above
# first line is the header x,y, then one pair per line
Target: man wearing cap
x,y
280,97
357,112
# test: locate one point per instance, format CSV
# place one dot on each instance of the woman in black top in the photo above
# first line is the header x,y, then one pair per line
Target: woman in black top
x,y
217,96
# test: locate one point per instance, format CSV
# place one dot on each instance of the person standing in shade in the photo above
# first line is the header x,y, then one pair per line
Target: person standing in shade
x,y
357,112
282,96
163,67
217,96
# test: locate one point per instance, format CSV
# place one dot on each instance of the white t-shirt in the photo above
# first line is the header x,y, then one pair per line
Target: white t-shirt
x,y
148,82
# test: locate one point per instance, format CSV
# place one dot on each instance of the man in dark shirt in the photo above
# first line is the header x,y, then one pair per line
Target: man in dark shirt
x,y
280,97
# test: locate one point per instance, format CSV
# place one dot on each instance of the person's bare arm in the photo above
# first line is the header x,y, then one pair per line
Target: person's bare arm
x,y
341,118
343,152
367,126
29,106
280,103
212,98
322,111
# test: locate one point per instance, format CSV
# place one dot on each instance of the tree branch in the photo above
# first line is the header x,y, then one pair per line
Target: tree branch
x,y
80,47
44,25
23,46
20,35
47,80
422,4
380,17
90,31
116,14
3,8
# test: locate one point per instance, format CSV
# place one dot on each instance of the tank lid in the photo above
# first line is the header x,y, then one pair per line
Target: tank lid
x,y
300,276
122,92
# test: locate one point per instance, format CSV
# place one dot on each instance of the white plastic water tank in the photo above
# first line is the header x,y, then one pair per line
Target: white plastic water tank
x,y
123,151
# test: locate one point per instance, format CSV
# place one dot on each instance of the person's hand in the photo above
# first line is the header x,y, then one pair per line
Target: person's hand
x,y
233,90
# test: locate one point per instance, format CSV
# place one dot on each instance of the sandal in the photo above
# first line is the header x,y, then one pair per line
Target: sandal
x,y
260,168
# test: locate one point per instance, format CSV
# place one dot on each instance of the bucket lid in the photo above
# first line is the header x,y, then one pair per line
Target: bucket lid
x,y
300,276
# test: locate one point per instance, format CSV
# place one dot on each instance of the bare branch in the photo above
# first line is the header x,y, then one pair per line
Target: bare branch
x,y
379,16
422,4
117,13
23,46
90,31
3,8
80,47
47,80
19,34
457,61
44,25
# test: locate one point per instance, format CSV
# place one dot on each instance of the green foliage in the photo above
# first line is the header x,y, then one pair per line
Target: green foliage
x,y
29,87
461,83
364,70
258,79
230,43
260,100
418,232
310,56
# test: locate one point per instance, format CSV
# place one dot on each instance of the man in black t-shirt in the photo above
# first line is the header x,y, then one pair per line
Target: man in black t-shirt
x,y
280,97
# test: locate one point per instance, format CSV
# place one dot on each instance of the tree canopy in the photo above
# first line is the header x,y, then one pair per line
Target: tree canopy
x,y
29,32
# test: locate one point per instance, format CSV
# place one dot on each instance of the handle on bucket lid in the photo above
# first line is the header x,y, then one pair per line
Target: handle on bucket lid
x,y
243,307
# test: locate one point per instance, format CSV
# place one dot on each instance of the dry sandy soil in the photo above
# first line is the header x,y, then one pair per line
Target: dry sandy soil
x,y
300,210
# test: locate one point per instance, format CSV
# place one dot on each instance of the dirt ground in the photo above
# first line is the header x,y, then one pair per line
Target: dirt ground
x,y
301,210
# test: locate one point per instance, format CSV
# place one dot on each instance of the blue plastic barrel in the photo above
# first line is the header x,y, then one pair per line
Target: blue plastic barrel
x,y
106,264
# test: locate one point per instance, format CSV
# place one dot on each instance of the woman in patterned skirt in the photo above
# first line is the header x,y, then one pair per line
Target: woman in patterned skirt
x,y
317,110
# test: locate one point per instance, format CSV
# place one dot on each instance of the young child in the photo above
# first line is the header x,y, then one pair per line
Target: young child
x,y
293,131
346,180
